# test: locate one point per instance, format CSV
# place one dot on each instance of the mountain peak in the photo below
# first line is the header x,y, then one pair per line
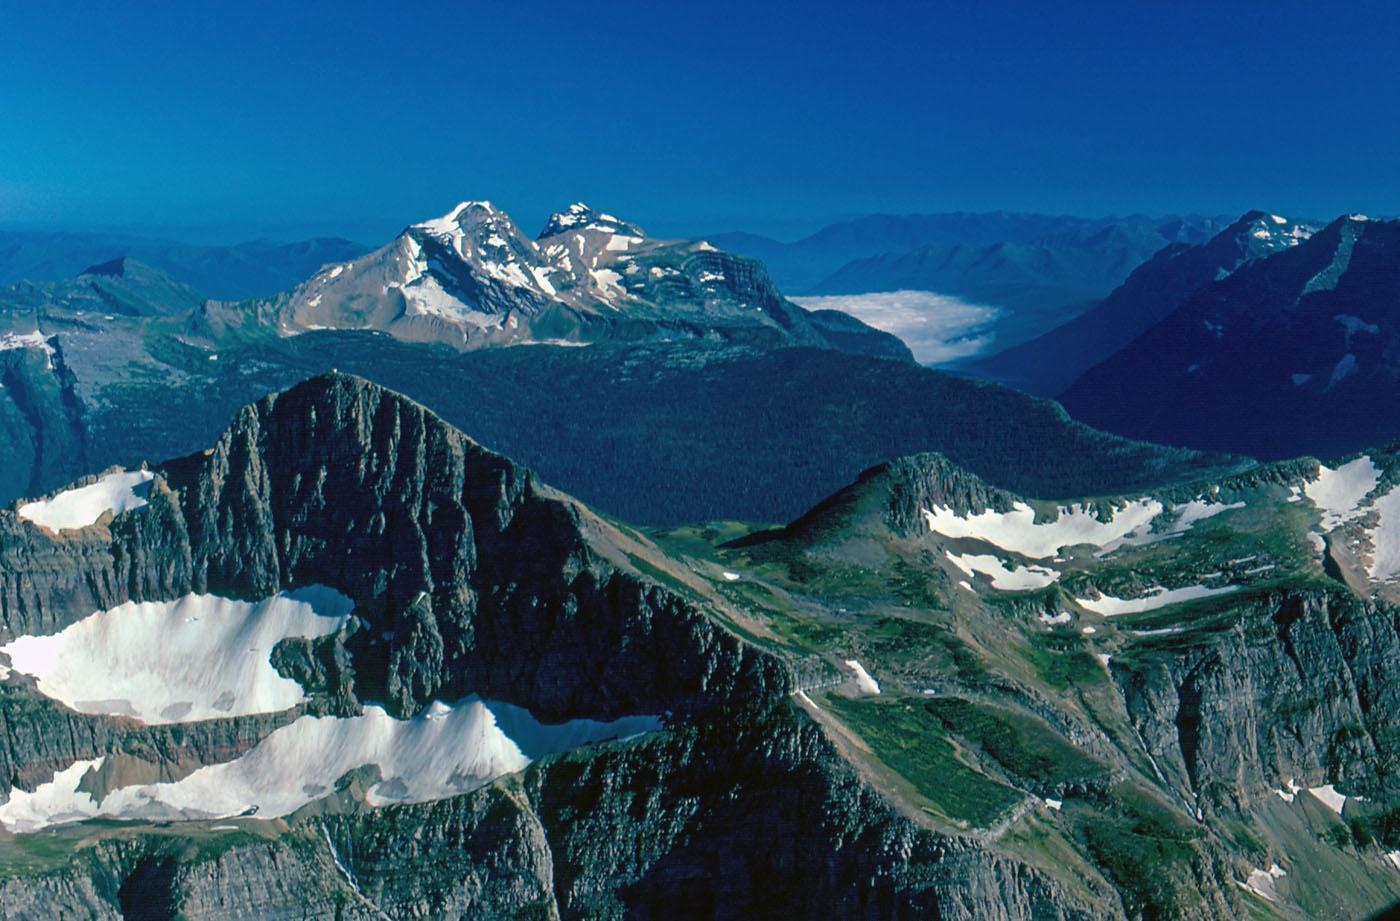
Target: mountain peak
x,y
112,267
470,278
579,216
1262,230
464,214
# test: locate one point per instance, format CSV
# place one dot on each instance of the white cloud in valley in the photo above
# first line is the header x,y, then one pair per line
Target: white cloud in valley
x,y
939,329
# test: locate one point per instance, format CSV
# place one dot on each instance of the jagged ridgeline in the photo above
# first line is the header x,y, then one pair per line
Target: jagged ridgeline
x,y
348,663
1187,697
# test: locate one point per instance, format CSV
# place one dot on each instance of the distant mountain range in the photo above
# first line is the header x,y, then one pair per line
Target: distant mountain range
x,y
120,286
255,269
1032,271
317,652
667,381
1049,363
1296,352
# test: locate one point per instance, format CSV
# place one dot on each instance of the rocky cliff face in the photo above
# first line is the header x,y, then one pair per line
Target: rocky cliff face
x,y
1302,686
706,823
1197,683
42,439
467,576
457,551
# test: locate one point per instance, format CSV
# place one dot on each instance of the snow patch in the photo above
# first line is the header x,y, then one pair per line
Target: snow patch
x,y
1054,804
864,682
1261,882
1053,620
442,752
1385,538
1345,366
1329,797
78,508
608,280
730,576
1158,597
1021,578
34,340
199,657
1018,531
1338,493
1199,510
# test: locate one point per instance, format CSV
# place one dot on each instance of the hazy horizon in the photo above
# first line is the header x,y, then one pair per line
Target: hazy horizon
x,y
253,121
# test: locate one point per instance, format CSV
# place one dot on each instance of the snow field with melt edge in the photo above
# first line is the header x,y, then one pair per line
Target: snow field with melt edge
x,y
199,657
1344,495
202,657
1019,579
1338,493
1155,598
864,683
80,507
442,752
1016,531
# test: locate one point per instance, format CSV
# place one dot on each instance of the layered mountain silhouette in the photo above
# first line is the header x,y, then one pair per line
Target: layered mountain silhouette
x,y
1290,353
257,268
896,690
1048,364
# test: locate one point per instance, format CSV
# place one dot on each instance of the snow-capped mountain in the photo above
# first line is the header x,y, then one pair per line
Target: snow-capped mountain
x,y
472,278
1294,353
1049,363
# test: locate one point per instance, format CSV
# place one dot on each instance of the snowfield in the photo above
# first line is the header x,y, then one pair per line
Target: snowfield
x,y
1385,538
1109,606
1329,797
34,340
444,751
1019,579
864,682
1018,532
199,657
78,508
1338,493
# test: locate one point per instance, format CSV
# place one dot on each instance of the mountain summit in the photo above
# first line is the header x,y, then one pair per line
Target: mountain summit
x,y
471,278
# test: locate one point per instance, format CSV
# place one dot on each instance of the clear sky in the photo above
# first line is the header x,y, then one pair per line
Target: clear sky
x,y
279,119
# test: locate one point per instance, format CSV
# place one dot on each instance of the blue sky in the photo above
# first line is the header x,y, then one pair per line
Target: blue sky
x,y
249,119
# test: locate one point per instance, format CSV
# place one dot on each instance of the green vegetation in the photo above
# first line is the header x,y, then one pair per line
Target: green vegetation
x,y
1063,660
911,741
662,577
1148,851
1023,745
